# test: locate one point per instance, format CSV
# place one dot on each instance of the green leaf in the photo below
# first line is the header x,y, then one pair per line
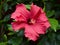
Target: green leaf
x,y
5,37
15,41
27,6
58,27
58,37
11,33
6,18
42,41
20,33
3,43
54,24
9,27
5,7
50,13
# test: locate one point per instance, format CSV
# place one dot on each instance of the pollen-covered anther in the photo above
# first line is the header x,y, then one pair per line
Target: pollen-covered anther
x,y
32,21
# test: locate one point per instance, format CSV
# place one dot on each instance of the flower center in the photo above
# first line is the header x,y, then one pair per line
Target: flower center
x,y
31,21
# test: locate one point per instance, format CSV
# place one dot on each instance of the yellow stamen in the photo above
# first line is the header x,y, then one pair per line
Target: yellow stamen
x,y
33,21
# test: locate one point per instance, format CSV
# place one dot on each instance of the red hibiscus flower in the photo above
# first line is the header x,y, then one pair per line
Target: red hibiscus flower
x,y
34,21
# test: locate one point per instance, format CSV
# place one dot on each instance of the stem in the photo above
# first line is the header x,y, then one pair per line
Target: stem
x,y
44,5
1,10
1,32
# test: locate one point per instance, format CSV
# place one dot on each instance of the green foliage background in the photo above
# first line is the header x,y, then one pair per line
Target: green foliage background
x,y
9,37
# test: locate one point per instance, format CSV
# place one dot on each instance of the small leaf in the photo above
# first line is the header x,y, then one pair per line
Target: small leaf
x,y
20,33
27,6
5,37
11,33
15,41
5,6
58,37
6,18
9,27
3,43
42,41
58,27
54,24
50,13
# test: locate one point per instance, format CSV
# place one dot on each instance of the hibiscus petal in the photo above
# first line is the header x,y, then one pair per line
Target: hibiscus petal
x,y
31,36
20,11
47,24
33,31
38,28
34,10
17,25
30,33
29,29
43,19
38,12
